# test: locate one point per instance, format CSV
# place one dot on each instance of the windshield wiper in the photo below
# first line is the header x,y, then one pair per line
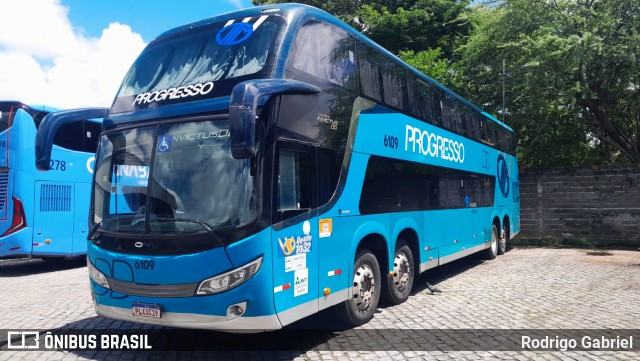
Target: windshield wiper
x,y
94,230
204,224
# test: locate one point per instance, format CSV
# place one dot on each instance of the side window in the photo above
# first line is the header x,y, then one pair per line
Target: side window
x,y
294,184
329,166
325,52
473,121
487,132
81,136
369,63
392,185
393,84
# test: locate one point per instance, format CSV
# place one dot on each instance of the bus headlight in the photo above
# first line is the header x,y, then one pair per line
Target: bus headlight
x,y
229,280
97,276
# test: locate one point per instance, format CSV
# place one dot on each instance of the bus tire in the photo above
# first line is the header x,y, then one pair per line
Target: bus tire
x,y
359,309
492,251
399,285
502,244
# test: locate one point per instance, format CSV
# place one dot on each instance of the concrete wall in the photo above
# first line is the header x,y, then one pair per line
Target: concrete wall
x,y
597,203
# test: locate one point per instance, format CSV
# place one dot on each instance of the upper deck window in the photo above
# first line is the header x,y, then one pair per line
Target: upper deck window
x,y
326,53
199,64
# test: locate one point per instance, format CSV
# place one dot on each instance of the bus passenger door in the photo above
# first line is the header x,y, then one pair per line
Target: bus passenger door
x,y
295,233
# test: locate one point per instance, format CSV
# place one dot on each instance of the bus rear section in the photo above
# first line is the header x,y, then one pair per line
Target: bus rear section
x,y
43,214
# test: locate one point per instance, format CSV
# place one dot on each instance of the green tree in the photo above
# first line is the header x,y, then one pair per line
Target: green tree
x,y
402,25
433,63
573,76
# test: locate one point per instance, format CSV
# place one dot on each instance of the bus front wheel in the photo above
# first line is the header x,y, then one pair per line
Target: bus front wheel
x,y
400,283
359,308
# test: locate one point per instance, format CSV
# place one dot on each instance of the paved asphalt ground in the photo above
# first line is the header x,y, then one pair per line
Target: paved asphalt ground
x,y
481,303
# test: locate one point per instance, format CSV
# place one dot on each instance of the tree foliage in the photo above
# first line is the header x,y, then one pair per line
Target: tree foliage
x,y
573,76
402,25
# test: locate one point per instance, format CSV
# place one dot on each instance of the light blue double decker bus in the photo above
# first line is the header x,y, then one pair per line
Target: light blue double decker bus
x,y
44,214
263,165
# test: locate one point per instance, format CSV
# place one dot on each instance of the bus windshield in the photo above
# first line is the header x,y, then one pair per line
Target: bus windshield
x,y
195,65
172,178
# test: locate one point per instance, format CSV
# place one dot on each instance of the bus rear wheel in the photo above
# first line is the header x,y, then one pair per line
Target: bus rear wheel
x,y
502,245
492,251
399,285
359,309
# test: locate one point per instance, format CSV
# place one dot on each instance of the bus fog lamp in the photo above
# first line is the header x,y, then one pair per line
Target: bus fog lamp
x,y
97,276
229,280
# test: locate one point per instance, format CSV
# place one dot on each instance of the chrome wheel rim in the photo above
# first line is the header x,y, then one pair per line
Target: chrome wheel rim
x,y
503,241
494,243
364,287
401,269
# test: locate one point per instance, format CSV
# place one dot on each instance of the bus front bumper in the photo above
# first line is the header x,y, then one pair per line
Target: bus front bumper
x,y
238,324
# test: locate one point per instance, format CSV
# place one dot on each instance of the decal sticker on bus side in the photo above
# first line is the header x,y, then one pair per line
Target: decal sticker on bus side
x,y
301,282
297,244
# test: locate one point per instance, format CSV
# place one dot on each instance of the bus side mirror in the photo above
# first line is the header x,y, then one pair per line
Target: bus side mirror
x,y
245,99
50,125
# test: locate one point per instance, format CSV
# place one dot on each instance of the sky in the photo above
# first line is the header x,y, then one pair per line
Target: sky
x,y
75,53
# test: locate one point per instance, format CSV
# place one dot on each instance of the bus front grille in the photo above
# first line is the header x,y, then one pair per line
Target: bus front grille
x,y
55,198
147,290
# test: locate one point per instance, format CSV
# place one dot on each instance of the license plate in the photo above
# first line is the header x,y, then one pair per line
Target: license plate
x,y
146,310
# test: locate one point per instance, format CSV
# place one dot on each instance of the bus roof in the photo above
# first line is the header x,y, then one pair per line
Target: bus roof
x,y
303,12
37,107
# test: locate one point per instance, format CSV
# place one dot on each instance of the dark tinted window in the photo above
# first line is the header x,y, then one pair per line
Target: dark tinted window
x,y
370,64
8,112
294,184
329,166
184,67
394,88
324,52
80,136
423,101
393,185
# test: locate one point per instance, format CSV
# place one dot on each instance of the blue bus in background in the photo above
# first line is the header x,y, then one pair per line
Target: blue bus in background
x,y
263,165
44,214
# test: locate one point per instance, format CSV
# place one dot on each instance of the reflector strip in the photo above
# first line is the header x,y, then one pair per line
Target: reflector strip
x,y
284,287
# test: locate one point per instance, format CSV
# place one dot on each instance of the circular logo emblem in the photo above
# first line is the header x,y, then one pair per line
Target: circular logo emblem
x,y
503,176
234,34
138,244
289,246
